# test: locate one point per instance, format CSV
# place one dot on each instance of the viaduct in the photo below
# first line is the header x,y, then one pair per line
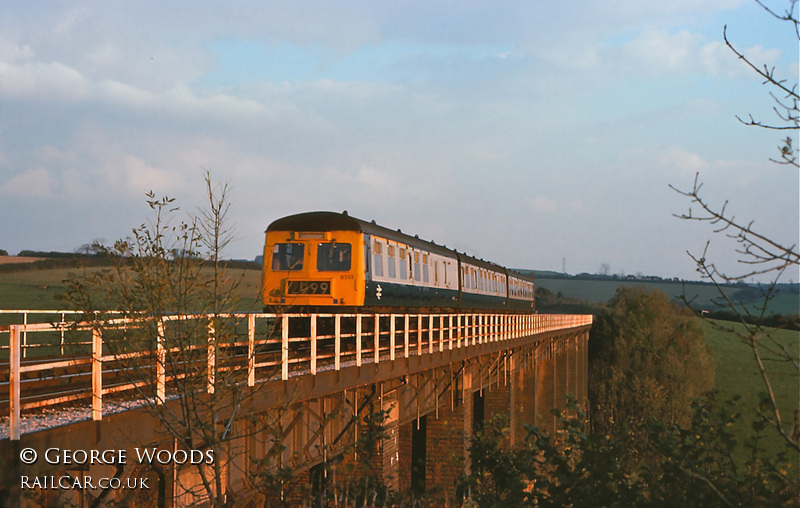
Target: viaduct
x,y
307,387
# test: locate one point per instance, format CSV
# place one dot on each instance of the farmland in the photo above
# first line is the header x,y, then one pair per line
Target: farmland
x,y
39,288
737,375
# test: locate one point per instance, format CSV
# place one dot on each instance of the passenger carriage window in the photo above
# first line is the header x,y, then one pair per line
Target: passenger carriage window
x,y
390,261
403,265
287,256
417,271
377,260
333,257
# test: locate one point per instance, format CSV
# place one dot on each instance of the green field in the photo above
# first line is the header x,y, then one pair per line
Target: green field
x,y
737,375
37,289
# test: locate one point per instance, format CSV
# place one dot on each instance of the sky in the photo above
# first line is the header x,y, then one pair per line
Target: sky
x,y
540,135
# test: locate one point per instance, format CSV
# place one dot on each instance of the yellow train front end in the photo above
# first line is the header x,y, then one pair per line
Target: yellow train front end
x,y
313,270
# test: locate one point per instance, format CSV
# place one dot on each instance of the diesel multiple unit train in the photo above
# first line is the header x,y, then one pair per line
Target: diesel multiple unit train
x,y
332,262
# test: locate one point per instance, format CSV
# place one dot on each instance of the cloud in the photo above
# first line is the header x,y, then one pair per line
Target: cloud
x,y
140,177
543,204
36,80
34,183
658,53
682,161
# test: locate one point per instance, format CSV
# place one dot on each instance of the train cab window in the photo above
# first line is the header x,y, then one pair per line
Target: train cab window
x,y
287,256
333,257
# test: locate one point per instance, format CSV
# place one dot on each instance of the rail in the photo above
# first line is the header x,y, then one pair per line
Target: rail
x,y
261,347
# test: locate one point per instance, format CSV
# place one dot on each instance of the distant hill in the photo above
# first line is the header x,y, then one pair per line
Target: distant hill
x,y
704,296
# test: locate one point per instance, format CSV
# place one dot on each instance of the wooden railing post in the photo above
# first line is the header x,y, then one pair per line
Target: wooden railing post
x,y
14,381
377,339
313,340
338,342
391,336
450,332
61,326
25,334
459,332
97,375
358,340
419,334
430,334
284,347
161,364
441,333
212,357
251,349
405,335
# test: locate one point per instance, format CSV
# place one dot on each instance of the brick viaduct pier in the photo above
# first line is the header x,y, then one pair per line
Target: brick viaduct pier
x,y
436,378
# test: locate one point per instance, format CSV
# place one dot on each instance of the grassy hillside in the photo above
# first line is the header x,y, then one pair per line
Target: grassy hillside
x,y
737,374
37,289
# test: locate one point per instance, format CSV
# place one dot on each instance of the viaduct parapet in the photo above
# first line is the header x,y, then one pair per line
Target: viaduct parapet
x,y
313,386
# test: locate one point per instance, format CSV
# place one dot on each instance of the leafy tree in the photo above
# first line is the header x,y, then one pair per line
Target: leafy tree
x,y
647,359
692,465
172,267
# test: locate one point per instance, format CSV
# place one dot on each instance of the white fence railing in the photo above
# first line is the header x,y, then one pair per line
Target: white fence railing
x,y
256,348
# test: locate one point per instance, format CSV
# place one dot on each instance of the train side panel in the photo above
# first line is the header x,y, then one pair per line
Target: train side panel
x,y
521,294
482,287
404,275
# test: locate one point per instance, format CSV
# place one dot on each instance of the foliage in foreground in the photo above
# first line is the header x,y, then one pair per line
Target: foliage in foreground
x,y
693,466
